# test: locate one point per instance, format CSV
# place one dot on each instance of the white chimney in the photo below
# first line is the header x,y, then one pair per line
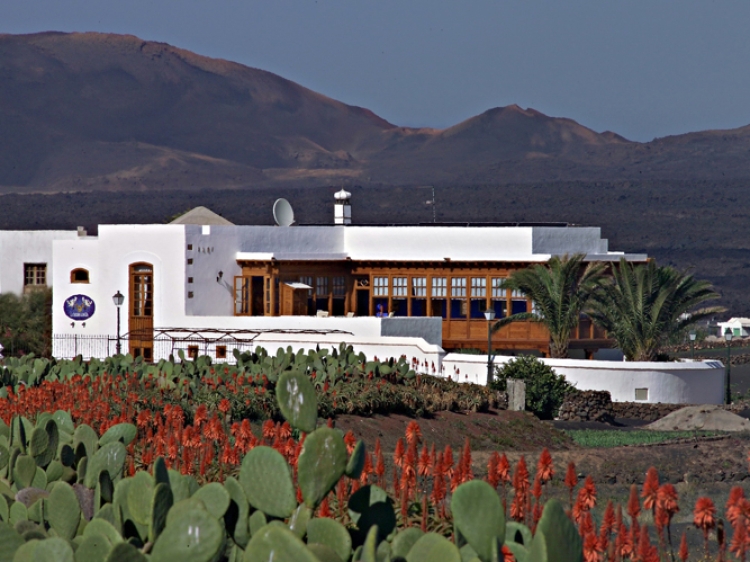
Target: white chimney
x,y
342,210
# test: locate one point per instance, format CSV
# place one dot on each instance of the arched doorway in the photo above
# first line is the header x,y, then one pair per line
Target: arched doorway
x,y
141,318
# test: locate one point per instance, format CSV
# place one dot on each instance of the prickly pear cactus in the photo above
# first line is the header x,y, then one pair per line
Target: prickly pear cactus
x,y
265,477
296,398
478,516
321,464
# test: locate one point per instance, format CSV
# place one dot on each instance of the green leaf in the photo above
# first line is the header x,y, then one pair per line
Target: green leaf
x,y
193,536
321,464
405,540
215,497
332,534
295,395
433,547
64,513
356,460
126,552
265,477
124,432
111,457
556,538
278,544
478,516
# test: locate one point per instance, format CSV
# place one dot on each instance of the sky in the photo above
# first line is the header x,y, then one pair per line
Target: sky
x,y
640,68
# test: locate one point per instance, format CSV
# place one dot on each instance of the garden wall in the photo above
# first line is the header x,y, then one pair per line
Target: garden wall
x,y
689,382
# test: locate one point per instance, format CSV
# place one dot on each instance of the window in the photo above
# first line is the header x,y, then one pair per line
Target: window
x,y
79,275
419,287
190,261
478,287
519,303
497,291
380,286
339,286
641,394
221,351
34,274
438,287
321,286
190,246
193,352
399,287
190,279
190,294
458,287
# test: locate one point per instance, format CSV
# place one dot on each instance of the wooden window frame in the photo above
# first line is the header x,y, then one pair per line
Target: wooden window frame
x,y
34,274
221,351
79,270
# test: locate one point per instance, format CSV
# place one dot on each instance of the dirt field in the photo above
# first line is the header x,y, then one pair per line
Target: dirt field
x,y
696,466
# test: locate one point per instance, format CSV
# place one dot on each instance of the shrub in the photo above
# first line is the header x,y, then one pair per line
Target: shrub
x,y
545,389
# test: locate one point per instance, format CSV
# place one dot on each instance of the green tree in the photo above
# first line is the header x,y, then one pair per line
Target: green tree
x,y
644,305
26,323
545,389
560,290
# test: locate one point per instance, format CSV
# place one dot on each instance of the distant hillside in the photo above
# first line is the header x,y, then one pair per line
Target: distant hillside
x,y
89,111
93,119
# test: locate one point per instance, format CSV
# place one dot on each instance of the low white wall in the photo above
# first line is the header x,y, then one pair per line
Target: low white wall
x,y
699,382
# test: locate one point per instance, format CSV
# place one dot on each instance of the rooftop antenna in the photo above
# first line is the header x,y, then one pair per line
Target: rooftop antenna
x,y
283,213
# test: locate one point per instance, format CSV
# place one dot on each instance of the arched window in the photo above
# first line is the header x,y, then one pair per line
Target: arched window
x,y
79,275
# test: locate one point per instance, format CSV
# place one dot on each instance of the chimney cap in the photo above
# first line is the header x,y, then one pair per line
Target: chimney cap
x,y
342,195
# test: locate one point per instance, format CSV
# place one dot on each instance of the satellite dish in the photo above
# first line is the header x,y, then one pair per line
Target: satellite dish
x,y
283,213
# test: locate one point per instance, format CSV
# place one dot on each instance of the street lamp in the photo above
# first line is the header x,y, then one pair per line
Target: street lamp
x,y
118,298
691,335
490,316
728,337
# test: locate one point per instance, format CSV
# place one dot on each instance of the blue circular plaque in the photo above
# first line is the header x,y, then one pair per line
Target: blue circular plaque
x,y
79,307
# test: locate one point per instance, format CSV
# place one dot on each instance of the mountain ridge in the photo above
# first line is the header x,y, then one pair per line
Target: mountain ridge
x,y
97,111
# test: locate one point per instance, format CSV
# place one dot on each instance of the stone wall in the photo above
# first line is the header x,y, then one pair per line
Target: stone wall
x,y
587,405
643,411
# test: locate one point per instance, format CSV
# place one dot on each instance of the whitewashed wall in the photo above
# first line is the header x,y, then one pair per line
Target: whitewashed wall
x,y
700,382
26,246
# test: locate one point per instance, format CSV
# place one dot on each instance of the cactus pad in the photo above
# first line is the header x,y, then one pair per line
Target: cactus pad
x,y
478,516
193,536
295,395
433,547
64,513
267,482
111,457
274,542
331,534
321,464
123,432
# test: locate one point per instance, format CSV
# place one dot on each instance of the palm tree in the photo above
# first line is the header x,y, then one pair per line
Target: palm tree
x,y
560,290
644,305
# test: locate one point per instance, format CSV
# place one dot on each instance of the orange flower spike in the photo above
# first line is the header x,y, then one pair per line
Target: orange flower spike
x,y
634,504
608,521
350,441
739,543
268,430
704,517
423,465
521,478
466,462
587,494
734,504
448,460
650,489
224,406
285,431
623,544
492,463
683,552
507,554
536,489
666,500
398,455
413,432
571,480
590,548
503,469
377,447
544,467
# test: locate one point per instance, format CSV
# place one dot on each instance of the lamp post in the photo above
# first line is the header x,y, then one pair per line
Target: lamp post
x,y
728,338
118,298
490,316
691,335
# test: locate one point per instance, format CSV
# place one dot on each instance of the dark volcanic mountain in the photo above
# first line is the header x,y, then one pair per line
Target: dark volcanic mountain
x,y
108,115
89,111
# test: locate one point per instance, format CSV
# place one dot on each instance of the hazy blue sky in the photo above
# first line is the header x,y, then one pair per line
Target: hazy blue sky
x,y
641,68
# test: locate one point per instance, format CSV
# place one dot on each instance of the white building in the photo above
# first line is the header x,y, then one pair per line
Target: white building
x,y
205,285
26,258
740,327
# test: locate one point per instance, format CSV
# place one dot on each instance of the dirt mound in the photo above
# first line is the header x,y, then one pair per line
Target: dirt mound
x,y
706,417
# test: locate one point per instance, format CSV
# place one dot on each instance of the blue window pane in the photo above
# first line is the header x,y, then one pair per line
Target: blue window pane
x,y
519,307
